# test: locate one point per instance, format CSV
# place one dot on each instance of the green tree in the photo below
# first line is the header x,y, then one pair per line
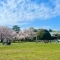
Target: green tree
x,y
33,29
50,30
16,28
44,35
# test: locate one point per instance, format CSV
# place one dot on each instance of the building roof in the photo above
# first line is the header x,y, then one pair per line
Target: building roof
x,y
54,33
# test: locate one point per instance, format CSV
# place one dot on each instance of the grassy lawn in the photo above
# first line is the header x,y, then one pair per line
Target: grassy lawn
x,y
30,51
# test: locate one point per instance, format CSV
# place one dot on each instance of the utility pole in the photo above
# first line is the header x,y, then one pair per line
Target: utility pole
x,y
36,38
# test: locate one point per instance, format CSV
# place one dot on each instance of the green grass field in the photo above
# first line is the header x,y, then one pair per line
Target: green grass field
x,y
30,51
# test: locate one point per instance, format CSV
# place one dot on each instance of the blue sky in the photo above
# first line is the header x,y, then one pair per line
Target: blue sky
x,y
30,13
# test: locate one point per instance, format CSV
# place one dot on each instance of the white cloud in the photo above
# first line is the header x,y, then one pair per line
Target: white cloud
x,y
15,11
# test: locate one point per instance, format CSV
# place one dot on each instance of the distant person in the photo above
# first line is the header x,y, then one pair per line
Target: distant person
x,y
4,41
8,42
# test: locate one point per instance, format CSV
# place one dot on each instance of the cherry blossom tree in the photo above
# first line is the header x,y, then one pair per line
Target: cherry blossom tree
x,y
6,32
